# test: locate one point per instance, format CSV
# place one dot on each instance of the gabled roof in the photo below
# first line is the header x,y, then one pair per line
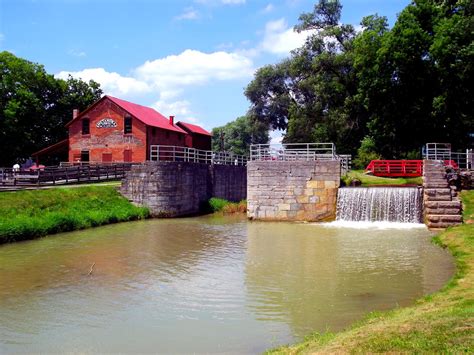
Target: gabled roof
x,y
194,128
147,115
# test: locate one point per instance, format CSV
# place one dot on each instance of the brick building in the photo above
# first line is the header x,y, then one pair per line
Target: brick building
x,y
115,130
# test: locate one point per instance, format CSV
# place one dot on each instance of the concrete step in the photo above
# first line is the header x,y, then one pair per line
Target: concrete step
x,y
444,218
437,194
441,225
443,204
443,211
435,185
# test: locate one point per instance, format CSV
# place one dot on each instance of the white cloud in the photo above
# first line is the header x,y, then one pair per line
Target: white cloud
x,y
193,67
111,83
76,53
280,39
269,8
181,109
189,14
233,2
2,37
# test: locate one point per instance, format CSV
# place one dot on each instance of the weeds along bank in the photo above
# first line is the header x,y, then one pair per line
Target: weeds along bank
x,y
438,323
32,214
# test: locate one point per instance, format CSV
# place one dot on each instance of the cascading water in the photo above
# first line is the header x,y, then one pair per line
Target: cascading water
x,y
385,204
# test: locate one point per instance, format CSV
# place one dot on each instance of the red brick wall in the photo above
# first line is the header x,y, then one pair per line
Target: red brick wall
x,y
108,140
158,136
201,141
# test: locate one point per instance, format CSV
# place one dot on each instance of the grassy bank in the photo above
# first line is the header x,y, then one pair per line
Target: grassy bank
x,y
438,323
224,206
33,214
370,180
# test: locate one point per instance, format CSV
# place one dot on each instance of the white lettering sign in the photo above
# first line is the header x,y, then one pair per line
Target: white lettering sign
x,y
106,123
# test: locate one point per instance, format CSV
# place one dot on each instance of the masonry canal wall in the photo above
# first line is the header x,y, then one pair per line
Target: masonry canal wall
x,y
173,189
292,190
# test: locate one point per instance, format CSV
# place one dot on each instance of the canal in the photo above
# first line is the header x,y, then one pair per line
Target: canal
x,y
207,284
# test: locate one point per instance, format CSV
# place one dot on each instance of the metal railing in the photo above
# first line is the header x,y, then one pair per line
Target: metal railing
x,y
346,162
293,151
185,154
438,151
442,151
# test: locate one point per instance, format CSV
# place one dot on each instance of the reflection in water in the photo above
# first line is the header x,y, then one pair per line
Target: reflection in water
x,y
208,284
317,278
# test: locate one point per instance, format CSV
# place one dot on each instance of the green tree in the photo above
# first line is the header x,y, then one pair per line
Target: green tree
x,y
34,106
236,136
311,94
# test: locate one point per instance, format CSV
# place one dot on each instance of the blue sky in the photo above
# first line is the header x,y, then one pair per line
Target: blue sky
x,y
188,58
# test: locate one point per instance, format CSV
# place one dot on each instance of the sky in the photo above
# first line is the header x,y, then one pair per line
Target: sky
x,y
187,58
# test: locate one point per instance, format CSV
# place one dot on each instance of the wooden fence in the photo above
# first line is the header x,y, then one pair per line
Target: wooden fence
x,y
63,175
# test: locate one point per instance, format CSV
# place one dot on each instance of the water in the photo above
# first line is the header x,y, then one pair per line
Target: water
x,y
387,204
205,285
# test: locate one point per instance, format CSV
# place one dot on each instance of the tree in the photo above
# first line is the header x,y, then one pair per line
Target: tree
x,y
34,106
236,136
311,94
402,87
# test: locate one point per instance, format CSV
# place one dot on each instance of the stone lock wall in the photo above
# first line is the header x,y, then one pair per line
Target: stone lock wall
x,y
292,190
172,189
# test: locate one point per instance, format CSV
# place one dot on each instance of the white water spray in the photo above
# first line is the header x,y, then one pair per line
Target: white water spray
x,y
380,204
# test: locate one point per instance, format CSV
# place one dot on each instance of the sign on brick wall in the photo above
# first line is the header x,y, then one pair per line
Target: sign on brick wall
x,y
106,123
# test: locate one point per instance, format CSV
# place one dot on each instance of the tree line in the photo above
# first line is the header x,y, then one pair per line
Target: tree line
x,y
35,106
374,92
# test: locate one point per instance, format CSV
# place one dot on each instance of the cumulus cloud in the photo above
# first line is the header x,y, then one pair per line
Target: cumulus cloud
x,y
112,83
193,67
280,39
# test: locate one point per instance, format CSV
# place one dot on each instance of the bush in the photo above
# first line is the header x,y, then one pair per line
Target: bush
x,y
366,153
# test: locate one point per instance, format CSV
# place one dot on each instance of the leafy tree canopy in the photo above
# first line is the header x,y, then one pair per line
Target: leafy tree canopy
x,y
236,136
403,87
35,106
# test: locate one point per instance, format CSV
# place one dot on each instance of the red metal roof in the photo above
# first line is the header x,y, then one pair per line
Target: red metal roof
x,y
145,114
194,128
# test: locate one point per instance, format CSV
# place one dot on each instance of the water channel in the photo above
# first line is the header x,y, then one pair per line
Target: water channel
x,y
206,284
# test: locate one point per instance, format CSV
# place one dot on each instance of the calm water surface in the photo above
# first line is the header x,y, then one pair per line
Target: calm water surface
x,y
207,284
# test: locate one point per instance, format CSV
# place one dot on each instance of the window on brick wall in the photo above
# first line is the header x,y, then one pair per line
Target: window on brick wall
x,y
86,126
127,125
106,157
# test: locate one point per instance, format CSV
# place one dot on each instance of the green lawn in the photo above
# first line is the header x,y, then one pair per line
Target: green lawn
x,y
370,180
36,213
438,323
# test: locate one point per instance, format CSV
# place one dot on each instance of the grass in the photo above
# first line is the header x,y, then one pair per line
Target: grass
x,y
224,206
439,323
370,180
36,213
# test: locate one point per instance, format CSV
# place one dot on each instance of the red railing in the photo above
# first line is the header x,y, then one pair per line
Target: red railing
x,y
396,168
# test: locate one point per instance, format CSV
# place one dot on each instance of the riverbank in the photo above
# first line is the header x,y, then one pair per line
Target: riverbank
x,y
370,180
33,214
438,323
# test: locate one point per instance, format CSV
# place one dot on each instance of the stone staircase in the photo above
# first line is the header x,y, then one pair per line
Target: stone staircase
x,y
442,206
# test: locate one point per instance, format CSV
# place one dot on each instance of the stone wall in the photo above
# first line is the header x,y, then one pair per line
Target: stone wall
x,y
442,206
292,191
172,189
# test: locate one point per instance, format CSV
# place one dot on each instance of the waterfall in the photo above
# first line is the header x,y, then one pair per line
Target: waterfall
x,y
387,204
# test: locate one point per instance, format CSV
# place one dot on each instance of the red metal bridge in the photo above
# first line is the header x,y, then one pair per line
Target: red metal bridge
x,y
400,168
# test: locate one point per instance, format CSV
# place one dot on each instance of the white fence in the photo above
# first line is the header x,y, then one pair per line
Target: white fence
x,y
299,151
442,151
185,154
